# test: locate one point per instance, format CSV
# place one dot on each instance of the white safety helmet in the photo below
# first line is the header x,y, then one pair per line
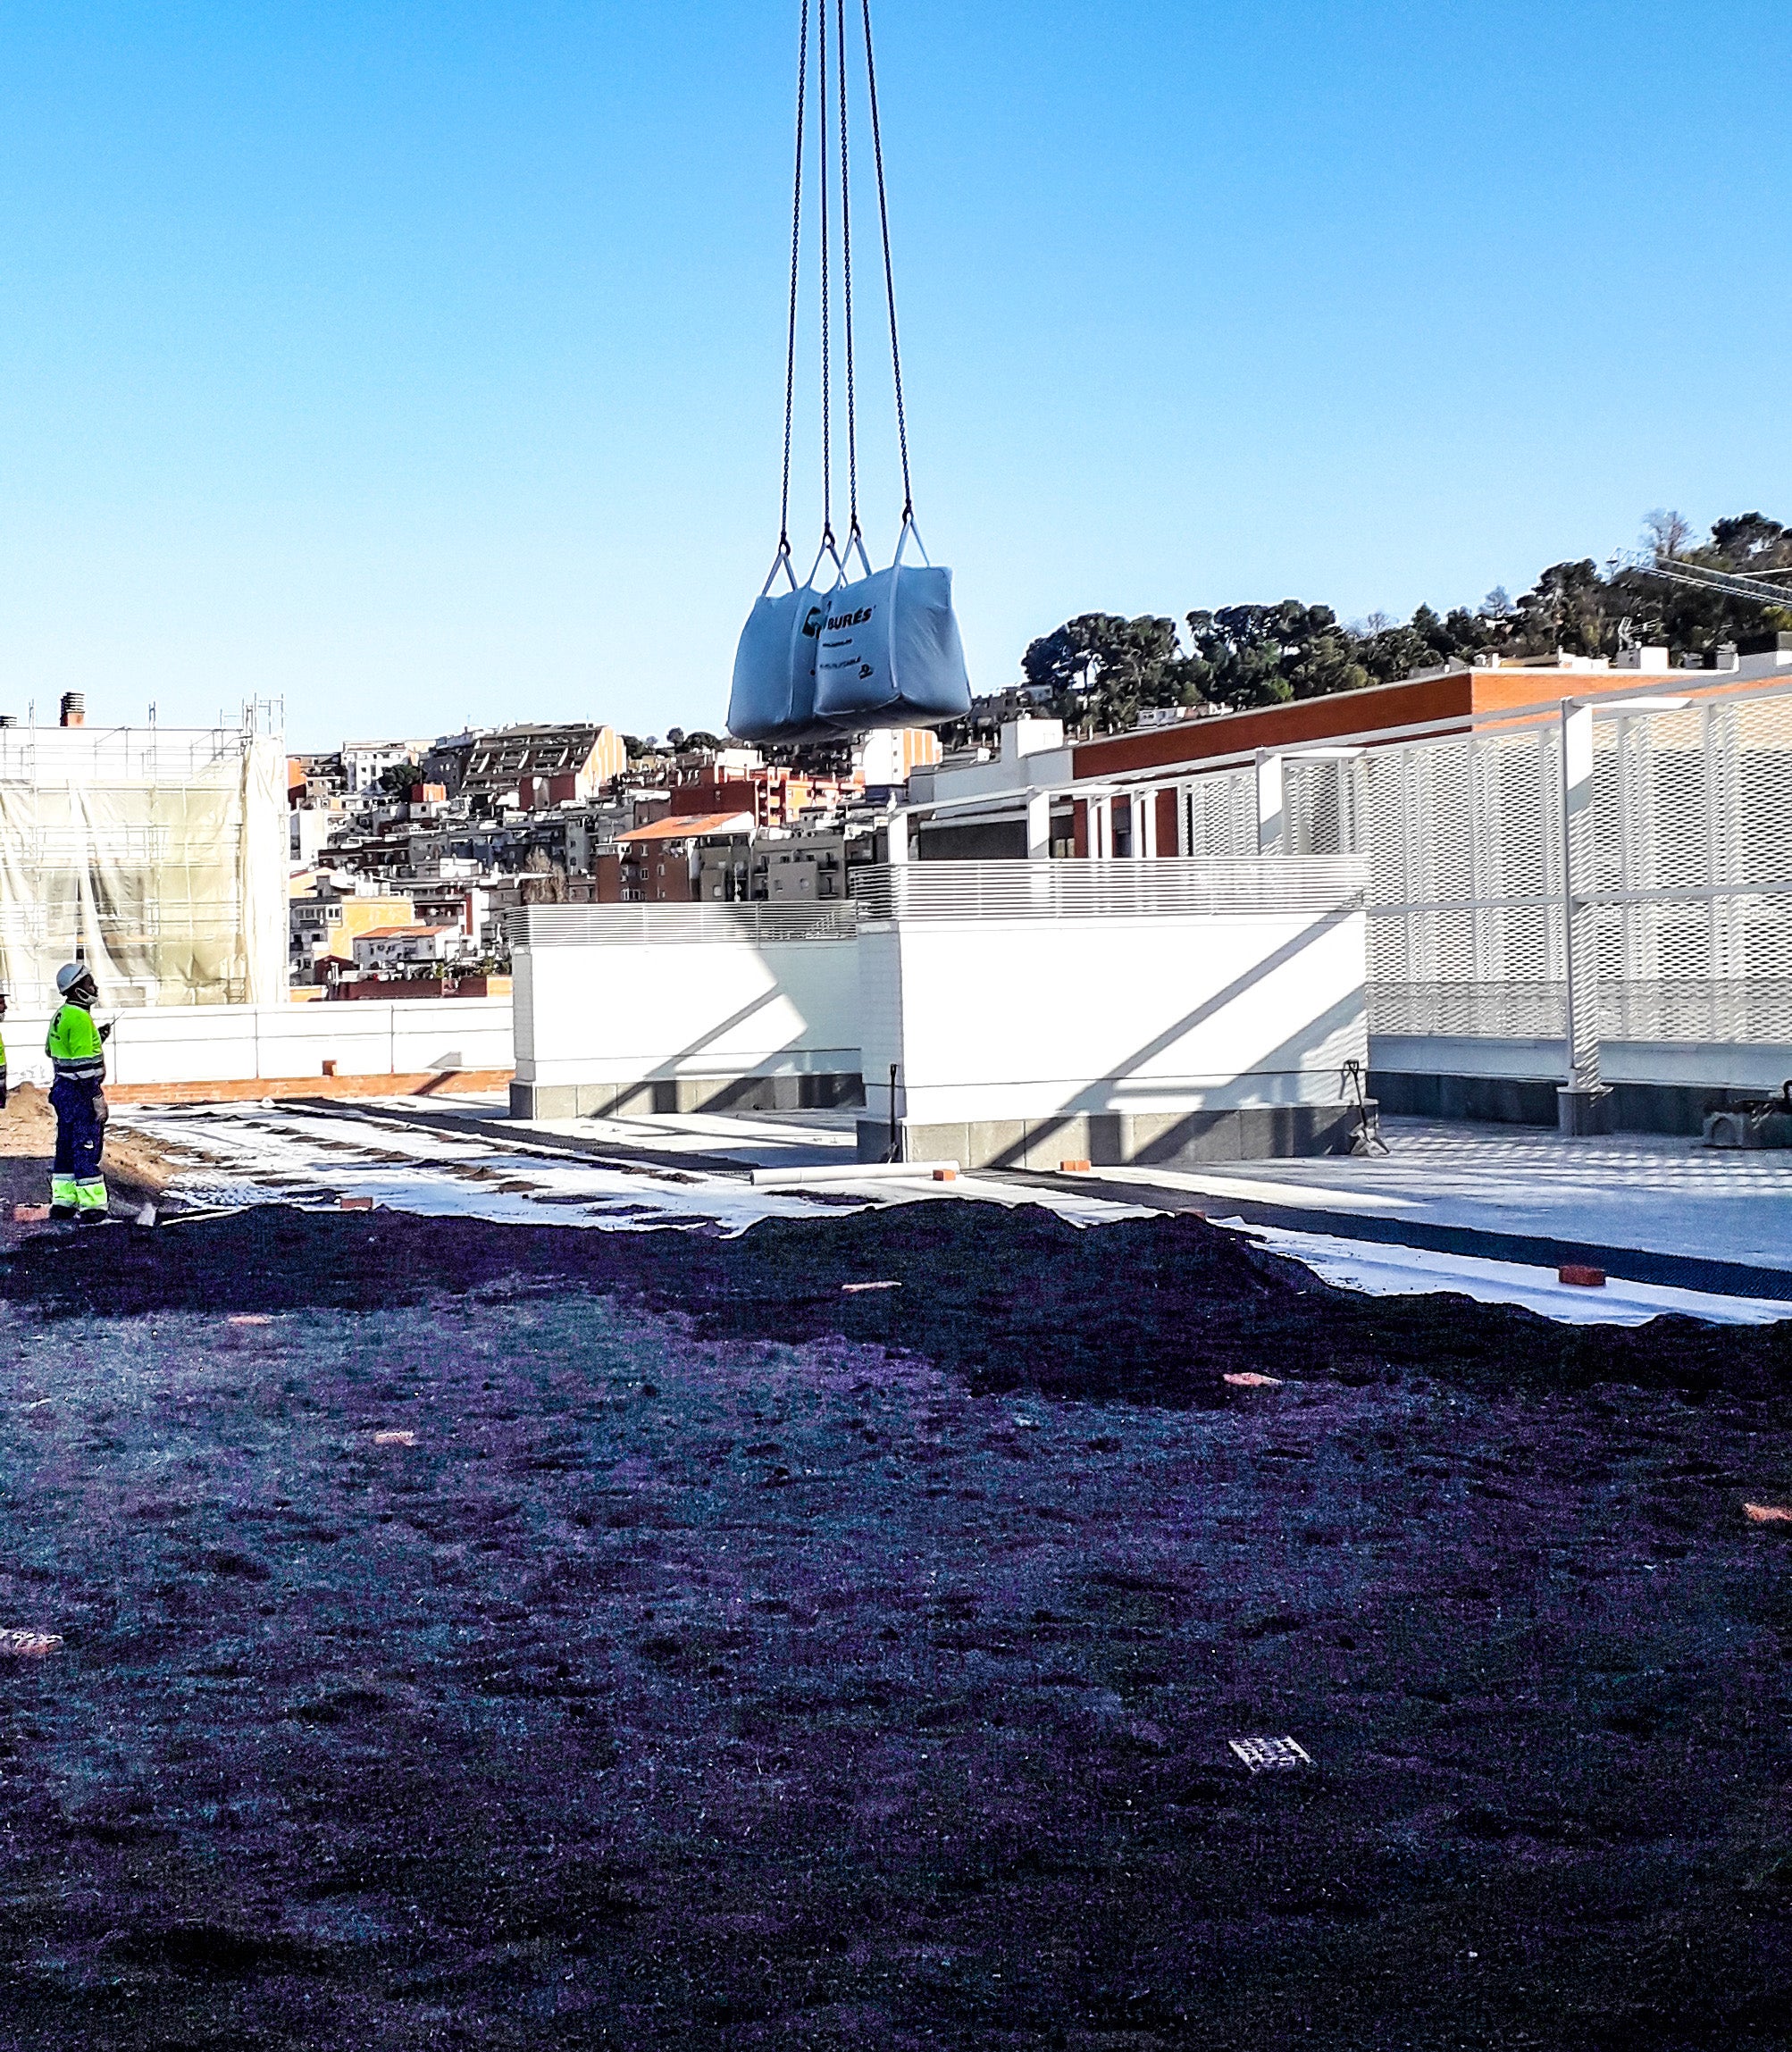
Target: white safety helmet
x,y
70,975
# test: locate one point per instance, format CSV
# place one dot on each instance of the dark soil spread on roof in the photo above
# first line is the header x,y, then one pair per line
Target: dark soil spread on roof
x,y
478,1636
1156,1311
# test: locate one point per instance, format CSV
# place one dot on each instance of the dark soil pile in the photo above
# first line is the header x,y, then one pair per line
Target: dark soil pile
x,y
462,1651
1153,1310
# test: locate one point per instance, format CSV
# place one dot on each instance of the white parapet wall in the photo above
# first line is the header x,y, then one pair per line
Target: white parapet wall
x,y
1168,1011
675,1007
173,1047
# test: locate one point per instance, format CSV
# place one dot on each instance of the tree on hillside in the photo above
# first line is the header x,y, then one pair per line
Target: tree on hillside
x,y
1101,668
1752,542
1565,609
1261,655
1637,607
1665,533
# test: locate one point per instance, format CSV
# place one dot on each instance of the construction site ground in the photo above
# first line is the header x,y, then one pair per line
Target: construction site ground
x,y
477,1630
136,1165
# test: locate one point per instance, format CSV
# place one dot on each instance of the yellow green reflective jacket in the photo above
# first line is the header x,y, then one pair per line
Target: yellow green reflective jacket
x,y
74,1046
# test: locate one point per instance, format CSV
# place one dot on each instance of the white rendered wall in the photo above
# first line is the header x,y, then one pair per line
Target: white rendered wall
x,y
230,1043
626,1013
991,1018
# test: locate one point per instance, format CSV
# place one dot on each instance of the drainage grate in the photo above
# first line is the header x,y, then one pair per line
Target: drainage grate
x,y
1262,1754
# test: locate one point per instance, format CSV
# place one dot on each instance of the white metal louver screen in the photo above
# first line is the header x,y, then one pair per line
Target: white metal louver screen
x,y
1220,816
1322,801
1687,887
1465,898
1693,889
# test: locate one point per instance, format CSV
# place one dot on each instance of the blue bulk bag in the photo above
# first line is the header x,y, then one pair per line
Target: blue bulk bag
x,y
773,696
889,652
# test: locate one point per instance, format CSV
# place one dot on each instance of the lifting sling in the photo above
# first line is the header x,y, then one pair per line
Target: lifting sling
x,y
837,653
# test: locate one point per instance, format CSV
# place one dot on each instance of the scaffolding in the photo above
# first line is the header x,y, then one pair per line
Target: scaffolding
x,y
155,854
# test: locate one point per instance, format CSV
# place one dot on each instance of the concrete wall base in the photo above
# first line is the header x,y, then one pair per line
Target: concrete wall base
x,y
1117,1139
1583,1114
1490,1100
1677,1108
671,1094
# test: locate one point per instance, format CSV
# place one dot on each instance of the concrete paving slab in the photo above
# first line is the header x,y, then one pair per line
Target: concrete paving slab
x,y
1655,1192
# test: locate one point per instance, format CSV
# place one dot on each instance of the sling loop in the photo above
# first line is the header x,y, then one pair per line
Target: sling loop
x,y
832,77
791,346
781,561
889,269
823,153
846,287
909,528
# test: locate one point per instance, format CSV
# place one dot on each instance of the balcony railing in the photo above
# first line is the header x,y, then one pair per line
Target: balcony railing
x,y
1167,887
628,926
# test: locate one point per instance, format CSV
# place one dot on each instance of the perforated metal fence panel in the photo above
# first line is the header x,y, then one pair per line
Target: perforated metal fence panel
x,y
1220,816
1682,891
1692,894
1466,906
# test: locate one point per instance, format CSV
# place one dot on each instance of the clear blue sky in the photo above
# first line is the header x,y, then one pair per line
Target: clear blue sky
x,y
421,362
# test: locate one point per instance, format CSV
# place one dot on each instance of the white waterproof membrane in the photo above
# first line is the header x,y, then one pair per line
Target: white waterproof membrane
x,y
247,1154
254,1154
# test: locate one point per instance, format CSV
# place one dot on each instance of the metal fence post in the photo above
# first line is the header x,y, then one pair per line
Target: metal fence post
x,y
1580,1103
1269,804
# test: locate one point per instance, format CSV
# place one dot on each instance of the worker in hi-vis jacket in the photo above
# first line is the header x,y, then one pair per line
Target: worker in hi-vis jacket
x,y
77,1052
2,1052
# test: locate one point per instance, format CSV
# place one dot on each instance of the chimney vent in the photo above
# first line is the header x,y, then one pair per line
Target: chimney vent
x,y
74,708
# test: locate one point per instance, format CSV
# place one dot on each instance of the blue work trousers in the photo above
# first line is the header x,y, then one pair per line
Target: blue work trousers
x,y
80,1134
